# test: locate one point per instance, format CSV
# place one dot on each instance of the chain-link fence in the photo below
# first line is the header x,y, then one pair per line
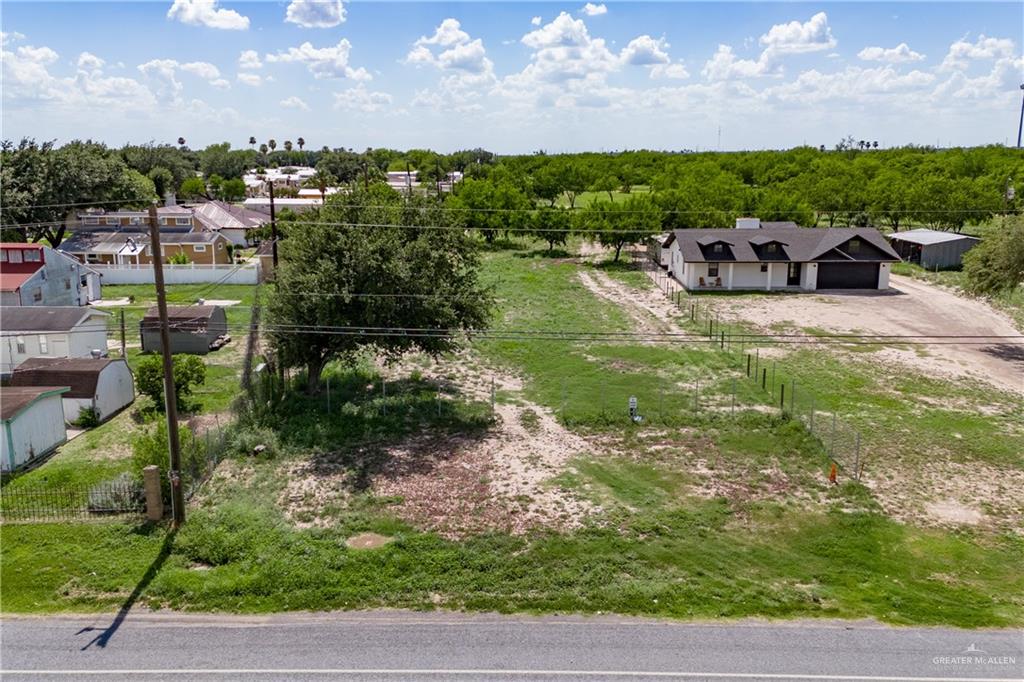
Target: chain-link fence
x,y
774,384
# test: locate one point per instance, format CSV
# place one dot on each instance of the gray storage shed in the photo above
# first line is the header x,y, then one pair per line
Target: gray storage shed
x,y
932,248
193,329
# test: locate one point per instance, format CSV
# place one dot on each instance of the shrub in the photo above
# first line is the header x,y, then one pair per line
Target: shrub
x,y
150,447
88,417
123,493
179,258
189,371
244,439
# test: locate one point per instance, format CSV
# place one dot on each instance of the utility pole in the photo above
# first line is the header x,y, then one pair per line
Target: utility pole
x,y
124,354
273,228
170,399
1020,126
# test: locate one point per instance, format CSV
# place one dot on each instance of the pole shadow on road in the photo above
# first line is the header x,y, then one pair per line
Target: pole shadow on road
x,y
103,638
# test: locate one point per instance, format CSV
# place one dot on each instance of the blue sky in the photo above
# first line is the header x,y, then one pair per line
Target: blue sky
x,y
514,77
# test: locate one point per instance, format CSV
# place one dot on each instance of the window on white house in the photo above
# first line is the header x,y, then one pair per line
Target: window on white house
x,y
163,221
15,256
113,221
764,267
33,256
135,220
37,295
43,348
91,220
771,248
712,269
92,258
3,256
67,283
20,343
183,221
199,248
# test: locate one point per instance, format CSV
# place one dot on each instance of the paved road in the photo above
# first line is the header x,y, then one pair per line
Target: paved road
x,y
397,645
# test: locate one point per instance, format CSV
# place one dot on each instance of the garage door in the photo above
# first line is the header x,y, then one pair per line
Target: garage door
x,y
848,276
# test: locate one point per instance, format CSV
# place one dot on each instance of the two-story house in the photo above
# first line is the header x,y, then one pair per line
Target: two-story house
x,y
36,275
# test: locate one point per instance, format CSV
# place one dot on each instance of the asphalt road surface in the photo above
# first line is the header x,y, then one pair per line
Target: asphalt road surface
x,y
396,645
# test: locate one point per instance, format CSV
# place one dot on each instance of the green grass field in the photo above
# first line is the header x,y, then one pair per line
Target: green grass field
x,y
702,514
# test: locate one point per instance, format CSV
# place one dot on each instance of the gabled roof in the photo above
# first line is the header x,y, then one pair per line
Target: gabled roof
x,y
925,237
218,215
802,243
37,318
16,399
100,241
79,374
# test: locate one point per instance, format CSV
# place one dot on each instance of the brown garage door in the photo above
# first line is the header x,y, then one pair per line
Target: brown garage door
x,y
848,276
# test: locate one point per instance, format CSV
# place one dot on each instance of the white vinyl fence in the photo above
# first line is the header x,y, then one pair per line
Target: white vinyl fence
x,y
190,273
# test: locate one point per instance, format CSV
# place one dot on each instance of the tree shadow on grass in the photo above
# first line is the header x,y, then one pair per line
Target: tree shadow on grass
x,y
105,634
1010,352
559,254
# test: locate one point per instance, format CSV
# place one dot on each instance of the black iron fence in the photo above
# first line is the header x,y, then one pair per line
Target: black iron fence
x,y
34,502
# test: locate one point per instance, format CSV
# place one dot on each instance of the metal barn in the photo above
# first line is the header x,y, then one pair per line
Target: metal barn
x,y
932,249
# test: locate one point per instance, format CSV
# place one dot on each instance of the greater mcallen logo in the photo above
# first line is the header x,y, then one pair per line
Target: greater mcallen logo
x,y
974,655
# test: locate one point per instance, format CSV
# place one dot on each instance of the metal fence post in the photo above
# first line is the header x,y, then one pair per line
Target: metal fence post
x,y
856,455
782,398
748,365
764,378
832,447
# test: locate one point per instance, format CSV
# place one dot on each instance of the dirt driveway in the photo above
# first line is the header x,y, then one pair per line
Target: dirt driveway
x,y
910,308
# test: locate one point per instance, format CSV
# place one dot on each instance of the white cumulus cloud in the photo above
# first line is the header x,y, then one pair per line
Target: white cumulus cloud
x,y
798,37
893,55
592,10
315,13
962,52
535,21
294,102
322,62
361,99
89,62
249,59
251,79
206,13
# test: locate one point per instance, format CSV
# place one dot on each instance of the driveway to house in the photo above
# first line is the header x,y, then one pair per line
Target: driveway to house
x,y
400,645
911,307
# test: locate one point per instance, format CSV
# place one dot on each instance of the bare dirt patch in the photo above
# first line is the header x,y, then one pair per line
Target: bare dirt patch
x,y
650,310
911,308
952,494
367,541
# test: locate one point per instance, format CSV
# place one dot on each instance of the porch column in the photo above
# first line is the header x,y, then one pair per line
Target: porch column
x,y
728,277
768,283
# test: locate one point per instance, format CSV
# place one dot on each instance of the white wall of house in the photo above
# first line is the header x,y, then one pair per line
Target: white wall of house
x,y
114,389
32,433
884,271
73,407
809,277
16,347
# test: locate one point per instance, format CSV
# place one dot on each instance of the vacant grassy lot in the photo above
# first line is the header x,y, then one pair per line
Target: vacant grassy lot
x,y
552,500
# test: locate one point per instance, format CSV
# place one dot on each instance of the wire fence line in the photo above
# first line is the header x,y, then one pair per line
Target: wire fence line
x,y
772,381
40,502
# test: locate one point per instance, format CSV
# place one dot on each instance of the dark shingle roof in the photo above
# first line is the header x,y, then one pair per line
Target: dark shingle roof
x,y
14,399
801,244
80,374
47,318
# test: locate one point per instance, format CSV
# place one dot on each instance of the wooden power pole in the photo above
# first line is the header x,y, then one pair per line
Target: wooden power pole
x,y
170,399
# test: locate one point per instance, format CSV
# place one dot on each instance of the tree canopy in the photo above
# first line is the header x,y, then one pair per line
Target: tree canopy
x,y
343,272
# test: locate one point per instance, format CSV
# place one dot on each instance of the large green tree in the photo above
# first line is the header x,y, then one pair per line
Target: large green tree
x,y
364,276
997,263
621,223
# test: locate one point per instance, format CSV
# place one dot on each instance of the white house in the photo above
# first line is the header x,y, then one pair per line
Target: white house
x,y
33,423
101,384
773,258
58,332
